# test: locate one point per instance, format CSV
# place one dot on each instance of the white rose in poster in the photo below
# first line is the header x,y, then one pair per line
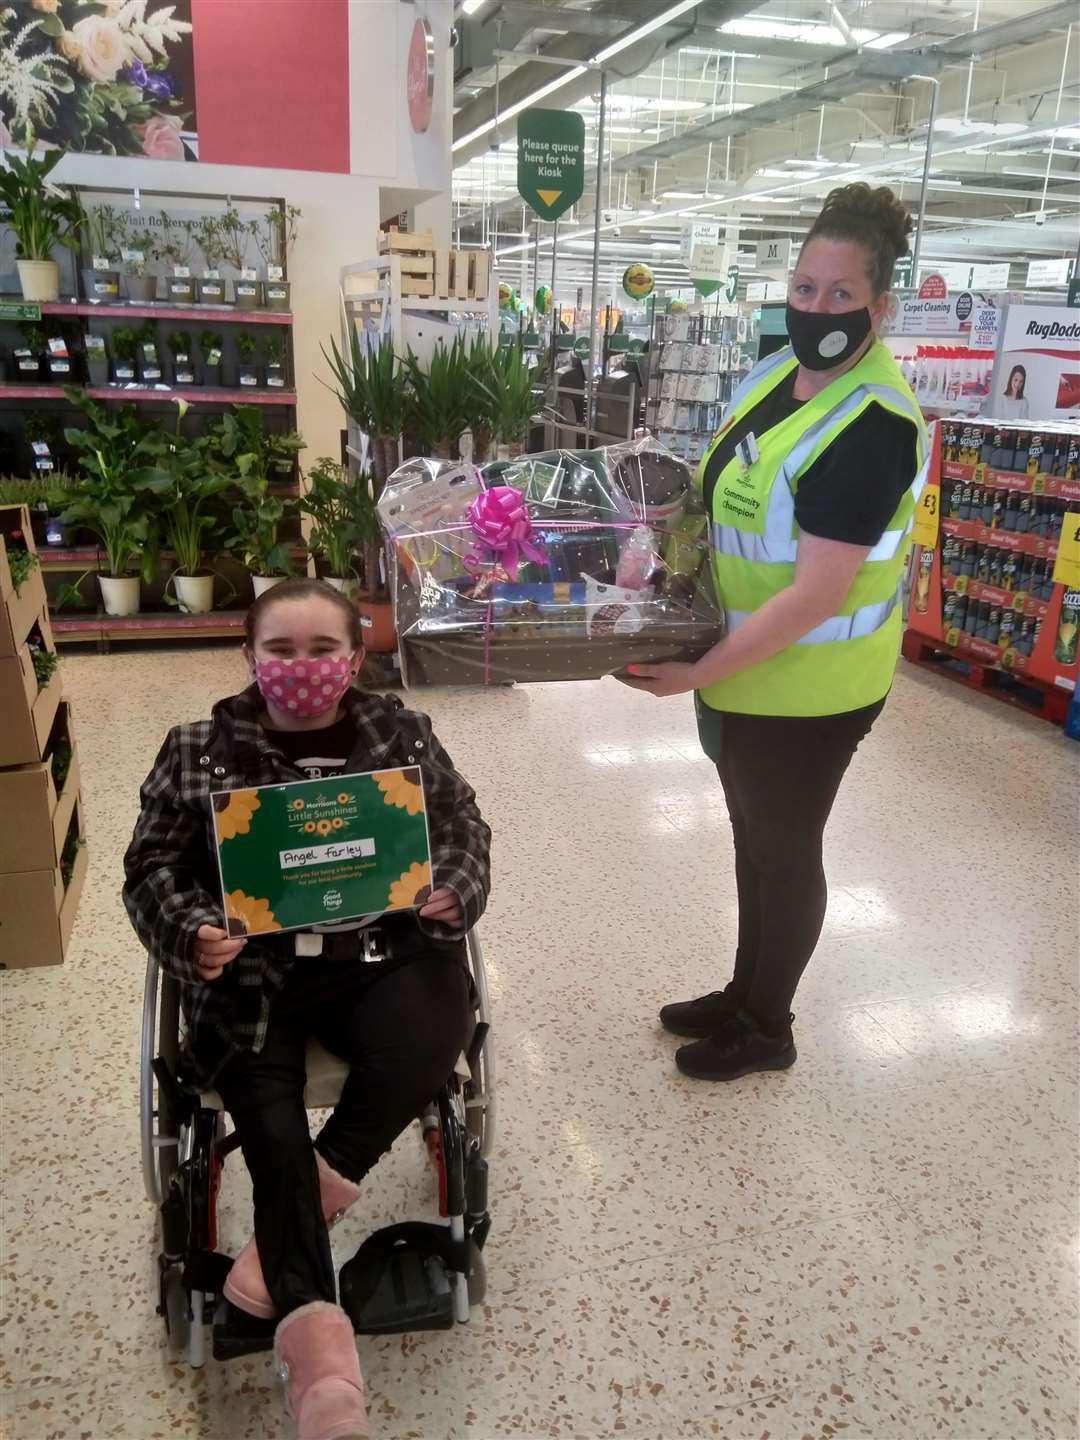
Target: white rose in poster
x,y
104,49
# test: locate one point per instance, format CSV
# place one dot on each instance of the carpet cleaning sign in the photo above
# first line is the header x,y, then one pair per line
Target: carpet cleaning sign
x,y
551,160
316,851
1040,347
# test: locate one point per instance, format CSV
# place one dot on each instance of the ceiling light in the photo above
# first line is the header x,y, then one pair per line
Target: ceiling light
x,y
812,164
470,7
771,173
687,195
1068,132
540,94
672,12
762,28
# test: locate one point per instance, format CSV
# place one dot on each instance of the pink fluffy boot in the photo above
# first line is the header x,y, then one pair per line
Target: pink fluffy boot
x,y
244,1286
315,1354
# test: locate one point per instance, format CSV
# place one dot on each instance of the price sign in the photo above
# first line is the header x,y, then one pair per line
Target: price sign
x,y
1067,564
928,517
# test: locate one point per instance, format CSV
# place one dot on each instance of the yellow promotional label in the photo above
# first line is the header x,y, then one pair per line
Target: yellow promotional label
x,y
1067,564
928,517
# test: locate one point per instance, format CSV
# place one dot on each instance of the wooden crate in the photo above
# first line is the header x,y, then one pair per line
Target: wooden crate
x,y
406,242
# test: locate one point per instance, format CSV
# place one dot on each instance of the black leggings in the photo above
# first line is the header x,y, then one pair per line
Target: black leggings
x,y
400,1026
780,775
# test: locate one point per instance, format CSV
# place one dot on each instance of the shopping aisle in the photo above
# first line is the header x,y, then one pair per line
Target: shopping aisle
x,y
881,1241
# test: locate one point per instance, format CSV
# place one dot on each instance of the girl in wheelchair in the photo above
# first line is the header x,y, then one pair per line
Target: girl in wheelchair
x,y
391,999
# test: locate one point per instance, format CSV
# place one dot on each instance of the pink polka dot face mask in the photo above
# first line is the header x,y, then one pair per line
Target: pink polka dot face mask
x,y
304,688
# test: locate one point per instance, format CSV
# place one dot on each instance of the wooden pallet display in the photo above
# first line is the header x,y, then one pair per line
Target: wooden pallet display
x,y
1024,692
429,272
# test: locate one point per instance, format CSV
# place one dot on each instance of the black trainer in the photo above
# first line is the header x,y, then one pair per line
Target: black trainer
x,y
739,1048
697,1018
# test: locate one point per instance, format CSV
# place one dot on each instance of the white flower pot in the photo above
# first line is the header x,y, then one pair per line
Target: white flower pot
x,y
120,594
40,279
262,583
195,593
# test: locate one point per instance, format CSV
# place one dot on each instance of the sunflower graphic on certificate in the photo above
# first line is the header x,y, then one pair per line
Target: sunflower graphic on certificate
x,y
311,851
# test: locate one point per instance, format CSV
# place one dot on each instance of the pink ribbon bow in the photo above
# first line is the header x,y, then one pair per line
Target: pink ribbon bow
x,y
500,521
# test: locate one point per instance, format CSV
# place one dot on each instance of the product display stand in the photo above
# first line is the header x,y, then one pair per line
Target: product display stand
x,y
697,361
43,858
990,602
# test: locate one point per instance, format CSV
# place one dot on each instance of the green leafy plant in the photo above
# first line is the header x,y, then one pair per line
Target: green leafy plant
x,y
274,349
255,537
187,484
247,451
509,389
140,243
116,459
236,235
60,761
210,344
436,411
343,514
211,242
72,845
246,345
39,425
481,404
370,383
175,240
35,491
45,662
33,336
125,343
41,215
22,563
69,596
276,238
105,230
179,342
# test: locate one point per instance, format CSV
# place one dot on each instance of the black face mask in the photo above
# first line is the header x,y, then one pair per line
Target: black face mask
x,y
821,342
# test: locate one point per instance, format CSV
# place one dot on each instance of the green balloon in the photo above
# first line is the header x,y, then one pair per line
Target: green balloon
x,y
507,297
543,300
638,281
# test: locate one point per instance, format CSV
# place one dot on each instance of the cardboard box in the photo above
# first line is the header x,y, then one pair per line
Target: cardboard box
x,y
459,279
405,240
481,274
34,817
26,713
37,914
21,610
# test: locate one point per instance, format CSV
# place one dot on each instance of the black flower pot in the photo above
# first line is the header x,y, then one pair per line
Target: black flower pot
x,y
183,370
26,365
211,375
275,377
97,371
61,369
180,290
248,376
212,292
277,294
124,372
248,294
103,285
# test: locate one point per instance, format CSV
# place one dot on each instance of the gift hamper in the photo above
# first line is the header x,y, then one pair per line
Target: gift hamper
x,y
567,565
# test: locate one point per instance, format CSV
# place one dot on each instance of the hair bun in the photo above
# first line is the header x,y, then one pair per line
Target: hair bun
x,y
878,207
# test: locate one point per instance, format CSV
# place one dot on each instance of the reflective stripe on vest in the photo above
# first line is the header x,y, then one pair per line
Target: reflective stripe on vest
x,y
863,621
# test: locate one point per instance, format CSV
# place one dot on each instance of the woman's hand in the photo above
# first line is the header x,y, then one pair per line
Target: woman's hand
x,y
445,907
674,678
214,949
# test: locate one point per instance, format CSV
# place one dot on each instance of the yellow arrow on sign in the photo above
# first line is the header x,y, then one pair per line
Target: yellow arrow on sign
x,y
549,196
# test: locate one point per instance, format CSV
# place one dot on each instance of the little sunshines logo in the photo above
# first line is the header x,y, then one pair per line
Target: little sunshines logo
x,y
322,814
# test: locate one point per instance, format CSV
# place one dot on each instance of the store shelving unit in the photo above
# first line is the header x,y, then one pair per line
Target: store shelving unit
x,y
156,394
697,360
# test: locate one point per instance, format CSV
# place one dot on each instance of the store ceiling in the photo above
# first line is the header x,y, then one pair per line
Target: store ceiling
x,y
750,112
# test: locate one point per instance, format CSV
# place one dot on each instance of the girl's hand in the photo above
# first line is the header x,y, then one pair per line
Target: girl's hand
x,y
445,907
214,949
677,677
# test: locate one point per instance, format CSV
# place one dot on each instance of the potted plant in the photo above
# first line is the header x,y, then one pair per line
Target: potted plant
x,y
255,455
58,357
103,232
174,246
188,484
150,371
41,215
139,249
210,347
436,411
481,406
46,495
43,433
371,388
275,244
236,235
27,357
255,537
510,390
274,355
125,349
111,500
247,371
97,359
183,362
339,516
211,244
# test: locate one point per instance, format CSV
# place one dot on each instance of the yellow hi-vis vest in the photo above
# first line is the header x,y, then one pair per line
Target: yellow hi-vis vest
x,y
848,660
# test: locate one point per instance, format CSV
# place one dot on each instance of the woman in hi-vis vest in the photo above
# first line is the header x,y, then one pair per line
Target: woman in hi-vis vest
x,y
810,488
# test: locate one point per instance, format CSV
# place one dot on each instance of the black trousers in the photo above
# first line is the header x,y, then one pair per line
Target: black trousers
x,y
780,776
401,1026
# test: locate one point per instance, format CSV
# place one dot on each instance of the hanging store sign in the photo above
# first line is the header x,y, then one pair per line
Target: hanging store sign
x,y
551,160
701,232
420,77
1049,274
963,314
767,290
774,256
933,287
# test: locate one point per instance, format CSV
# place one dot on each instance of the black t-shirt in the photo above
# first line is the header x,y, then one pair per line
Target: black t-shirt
x,y
851,491
319,753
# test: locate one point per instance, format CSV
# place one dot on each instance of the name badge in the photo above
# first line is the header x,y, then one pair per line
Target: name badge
x,y
747,450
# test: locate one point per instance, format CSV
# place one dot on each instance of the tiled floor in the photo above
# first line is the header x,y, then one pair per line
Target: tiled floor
x,y
880,1243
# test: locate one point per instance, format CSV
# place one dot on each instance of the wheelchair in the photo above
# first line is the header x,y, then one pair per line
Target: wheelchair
x,y
405,1277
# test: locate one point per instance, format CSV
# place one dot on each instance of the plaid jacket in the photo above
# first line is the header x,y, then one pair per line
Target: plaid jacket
x,y
171,885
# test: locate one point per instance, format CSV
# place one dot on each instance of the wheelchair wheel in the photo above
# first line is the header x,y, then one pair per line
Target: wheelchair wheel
x,y
158,1125
175,1309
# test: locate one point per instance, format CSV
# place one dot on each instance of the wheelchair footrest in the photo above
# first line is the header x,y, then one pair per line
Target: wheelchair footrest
x,y
399,1280
237,1333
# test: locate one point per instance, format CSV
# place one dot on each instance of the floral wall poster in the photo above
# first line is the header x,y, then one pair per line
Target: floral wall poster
x,y
104,77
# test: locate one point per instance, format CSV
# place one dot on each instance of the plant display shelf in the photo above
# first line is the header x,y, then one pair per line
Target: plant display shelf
x,y
102,629
161,395
88,557
162,310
